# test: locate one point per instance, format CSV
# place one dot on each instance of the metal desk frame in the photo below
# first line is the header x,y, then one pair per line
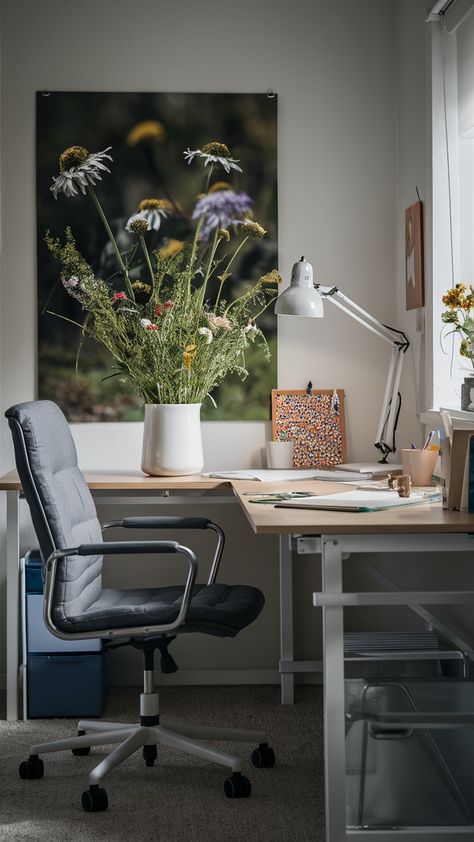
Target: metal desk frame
x,y
334,548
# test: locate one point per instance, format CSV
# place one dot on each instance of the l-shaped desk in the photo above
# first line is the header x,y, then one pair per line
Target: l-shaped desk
x,y
333,536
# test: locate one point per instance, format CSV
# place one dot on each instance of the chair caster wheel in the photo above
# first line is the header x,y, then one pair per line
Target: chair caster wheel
x,y
84,750
263,757
31,769
94,800
150,754
237,786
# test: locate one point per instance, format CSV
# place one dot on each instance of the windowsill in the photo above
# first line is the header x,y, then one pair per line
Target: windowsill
x,y
432,418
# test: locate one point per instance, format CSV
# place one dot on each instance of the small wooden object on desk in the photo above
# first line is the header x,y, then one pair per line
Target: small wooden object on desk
x,y
403,485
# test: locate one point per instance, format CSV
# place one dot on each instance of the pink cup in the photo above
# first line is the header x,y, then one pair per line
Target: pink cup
x,y
419,464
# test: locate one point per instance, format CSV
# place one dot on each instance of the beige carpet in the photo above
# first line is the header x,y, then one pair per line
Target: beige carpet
x,y
180,799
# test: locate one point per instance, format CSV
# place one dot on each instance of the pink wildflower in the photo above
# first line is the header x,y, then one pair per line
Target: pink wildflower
x,y
117,296
216,322
169,304
158,311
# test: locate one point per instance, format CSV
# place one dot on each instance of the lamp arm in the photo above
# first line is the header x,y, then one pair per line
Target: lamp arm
x,y
385,437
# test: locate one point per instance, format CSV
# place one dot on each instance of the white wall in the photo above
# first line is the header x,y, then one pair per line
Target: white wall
x,y
334,68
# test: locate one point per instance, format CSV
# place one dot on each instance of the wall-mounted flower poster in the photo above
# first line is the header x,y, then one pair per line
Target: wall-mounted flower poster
x,y
157,252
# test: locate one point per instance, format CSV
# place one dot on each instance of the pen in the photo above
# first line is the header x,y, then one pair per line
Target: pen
x,y
412,446
428,440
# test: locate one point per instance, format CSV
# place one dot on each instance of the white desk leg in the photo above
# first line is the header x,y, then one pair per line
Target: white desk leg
x,y
286,618
333,672
13,602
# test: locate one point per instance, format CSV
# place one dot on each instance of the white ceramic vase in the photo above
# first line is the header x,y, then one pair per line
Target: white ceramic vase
x,y
172,441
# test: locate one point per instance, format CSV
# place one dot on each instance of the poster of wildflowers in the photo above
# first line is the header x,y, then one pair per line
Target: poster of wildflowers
x,y
157,253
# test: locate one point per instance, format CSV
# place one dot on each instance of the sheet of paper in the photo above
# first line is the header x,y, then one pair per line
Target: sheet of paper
x,y
374,468
265,475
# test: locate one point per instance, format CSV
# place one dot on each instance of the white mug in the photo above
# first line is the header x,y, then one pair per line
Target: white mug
x,y
280,454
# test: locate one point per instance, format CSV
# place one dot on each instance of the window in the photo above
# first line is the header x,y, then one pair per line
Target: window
x,y
452,60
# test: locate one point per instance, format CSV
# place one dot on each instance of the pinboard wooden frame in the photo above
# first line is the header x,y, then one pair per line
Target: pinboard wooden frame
x,y
315,421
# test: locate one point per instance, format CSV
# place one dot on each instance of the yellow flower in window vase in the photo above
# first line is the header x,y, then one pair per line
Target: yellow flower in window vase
x,y
458,318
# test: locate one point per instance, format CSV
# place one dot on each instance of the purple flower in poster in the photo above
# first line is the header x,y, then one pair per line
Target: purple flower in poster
x,y
222,209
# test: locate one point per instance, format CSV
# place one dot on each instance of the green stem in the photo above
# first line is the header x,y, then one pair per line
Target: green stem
x,y
148,261
113,241
219,294
243,298
64,318
215,243
209,178
235,254
227,269
192,259
266,306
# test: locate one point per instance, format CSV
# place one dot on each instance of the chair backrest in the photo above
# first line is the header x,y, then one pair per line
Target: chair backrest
x,y
61,505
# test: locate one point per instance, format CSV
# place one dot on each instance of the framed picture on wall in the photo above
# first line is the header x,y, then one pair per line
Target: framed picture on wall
x,y
415,288
148,140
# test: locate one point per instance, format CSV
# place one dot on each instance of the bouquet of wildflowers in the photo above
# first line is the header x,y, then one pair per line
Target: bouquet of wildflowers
x,y
460,316
173,333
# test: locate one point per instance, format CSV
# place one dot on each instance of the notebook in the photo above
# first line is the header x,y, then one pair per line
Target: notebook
x,y
361,501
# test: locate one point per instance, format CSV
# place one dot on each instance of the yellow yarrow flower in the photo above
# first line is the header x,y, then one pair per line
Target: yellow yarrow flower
x,y
188,356
219,185
253,229
145,131
171,247
272,277
155,204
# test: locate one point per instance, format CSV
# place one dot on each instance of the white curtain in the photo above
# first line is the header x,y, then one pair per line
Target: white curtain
x,y
465,45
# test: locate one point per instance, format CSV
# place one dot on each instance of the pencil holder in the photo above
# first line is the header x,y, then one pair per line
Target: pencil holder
x,y
419,465
280,454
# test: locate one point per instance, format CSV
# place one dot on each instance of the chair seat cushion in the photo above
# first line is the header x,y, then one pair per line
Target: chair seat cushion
x,y
221,610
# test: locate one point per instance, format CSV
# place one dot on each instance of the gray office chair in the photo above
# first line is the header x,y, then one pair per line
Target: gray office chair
x,y
76,606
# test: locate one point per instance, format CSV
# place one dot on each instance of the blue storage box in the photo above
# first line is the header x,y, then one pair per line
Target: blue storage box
x,y
65,685
34,574
63,678
40,639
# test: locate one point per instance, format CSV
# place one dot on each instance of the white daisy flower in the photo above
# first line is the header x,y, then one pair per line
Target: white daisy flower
x,y
208,334
145,322
213,153
79,169
154,210
137,223
251,330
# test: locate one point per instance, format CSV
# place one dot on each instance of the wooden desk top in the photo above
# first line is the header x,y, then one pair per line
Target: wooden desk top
x,y
427,518
130,481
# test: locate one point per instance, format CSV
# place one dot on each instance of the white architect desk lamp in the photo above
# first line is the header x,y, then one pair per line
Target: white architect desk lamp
x,y
305,298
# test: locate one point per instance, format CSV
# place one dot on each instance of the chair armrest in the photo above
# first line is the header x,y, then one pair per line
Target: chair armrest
x,y
165,522
118,547
115,548
159,522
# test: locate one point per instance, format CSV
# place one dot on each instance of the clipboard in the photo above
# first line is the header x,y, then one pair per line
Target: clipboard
x,y
314,421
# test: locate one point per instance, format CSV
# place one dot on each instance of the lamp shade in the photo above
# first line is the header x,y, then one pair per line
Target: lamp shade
x,y
300,298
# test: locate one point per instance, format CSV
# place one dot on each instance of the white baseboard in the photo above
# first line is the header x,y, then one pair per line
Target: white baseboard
x,y
134,678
